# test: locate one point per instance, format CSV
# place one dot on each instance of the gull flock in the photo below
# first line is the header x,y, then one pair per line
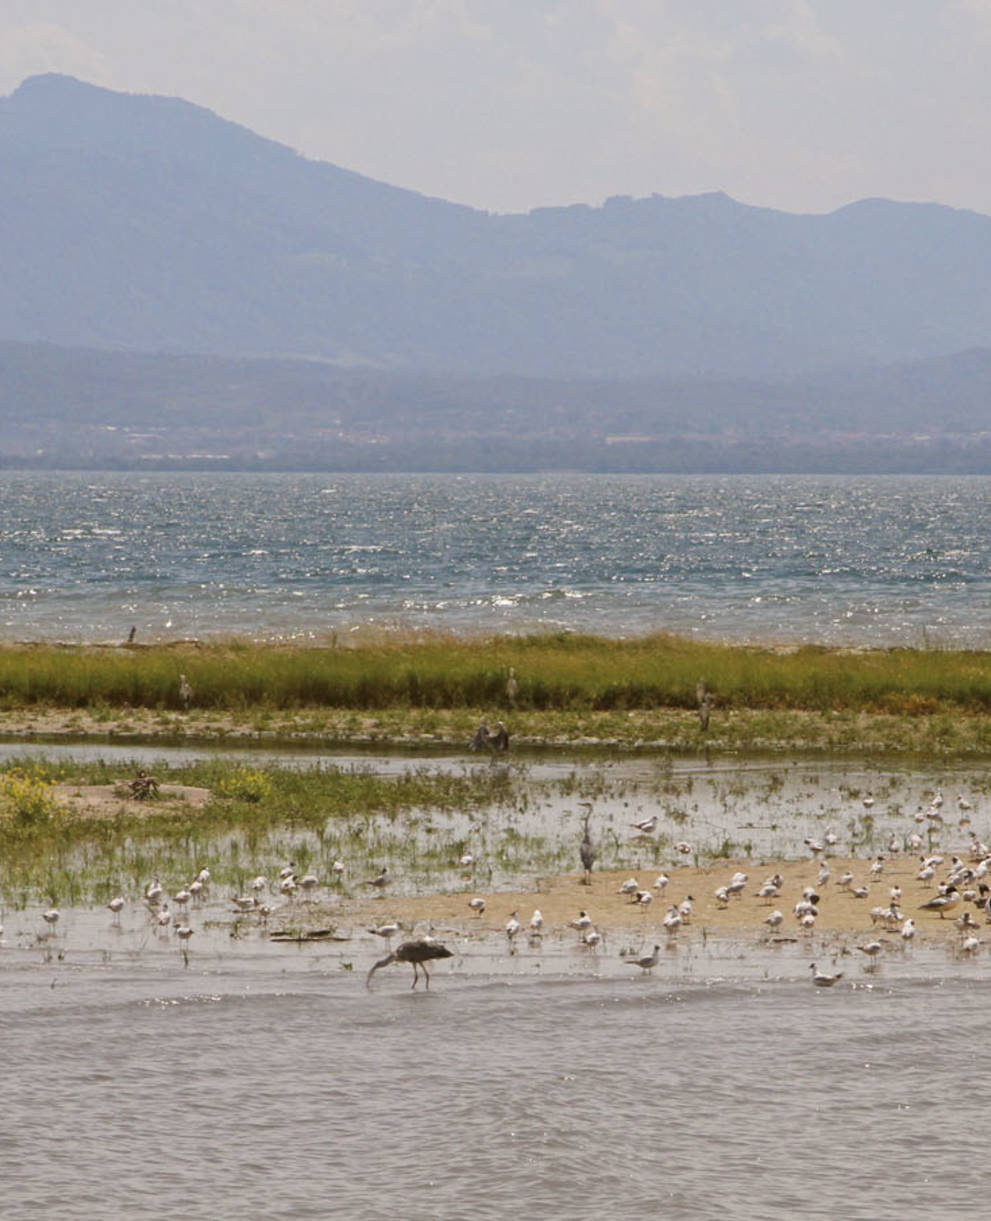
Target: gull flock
x,y
872,906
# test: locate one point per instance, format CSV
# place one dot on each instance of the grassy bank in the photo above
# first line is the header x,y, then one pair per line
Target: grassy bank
x,y
554,674
253,818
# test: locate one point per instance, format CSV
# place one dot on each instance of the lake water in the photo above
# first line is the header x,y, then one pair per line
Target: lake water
x,y
269,1082
850,561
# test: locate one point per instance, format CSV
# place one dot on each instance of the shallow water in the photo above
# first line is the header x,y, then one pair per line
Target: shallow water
x,y
267,1081
756,807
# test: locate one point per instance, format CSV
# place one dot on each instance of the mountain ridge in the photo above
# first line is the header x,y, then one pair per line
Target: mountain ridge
x,y
140,223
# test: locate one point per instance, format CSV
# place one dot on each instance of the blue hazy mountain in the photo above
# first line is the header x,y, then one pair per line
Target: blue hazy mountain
x,y
143,223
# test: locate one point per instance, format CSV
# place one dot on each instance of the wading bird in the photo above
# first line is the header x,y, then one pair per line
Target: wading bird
x,y
647,961
587,849
185,692
822,980
418,954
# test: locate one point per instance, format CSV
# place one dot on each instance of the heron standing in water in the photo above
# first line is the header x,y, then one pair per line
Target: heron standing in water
x,y
587,849
418,953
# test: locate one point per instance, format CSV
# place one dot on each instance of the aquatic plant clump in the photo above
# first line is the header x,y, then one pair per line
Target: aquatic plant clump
x,y
27,801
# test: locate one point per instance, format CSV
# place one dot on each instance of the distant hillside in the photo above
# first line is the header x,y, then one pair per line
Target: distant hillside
x,y
148,224
78,407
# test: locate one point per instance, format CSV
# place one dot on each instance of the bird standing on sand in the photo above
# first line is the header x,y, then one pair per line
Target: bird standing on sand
x,y
942,903
418,954
185,692
477,905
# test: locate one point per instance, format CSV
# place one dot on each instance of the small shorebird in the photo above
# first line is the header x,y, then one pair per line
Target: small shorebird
x,y
647,961
51,917
513,926
116,905
737,884
583,922
646,826
672,921
871,949
942,903
387,931
477,906
774,920
536,922
821,980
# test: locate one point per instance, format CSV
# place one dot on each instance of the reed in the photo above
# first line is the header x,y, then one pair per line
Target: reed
x,y
555,673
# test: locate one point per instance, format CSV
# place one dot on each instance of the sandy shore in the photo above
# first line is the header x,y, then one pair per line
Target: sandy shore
x,y
560,900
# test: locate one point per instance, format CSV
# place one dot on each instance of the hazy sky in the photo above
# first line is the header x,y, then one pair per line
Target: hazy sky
x,y
513,104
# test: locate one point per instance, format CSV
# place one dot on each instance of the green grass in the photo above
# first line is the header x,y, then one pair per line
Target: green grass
x,y
556,673
254,816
